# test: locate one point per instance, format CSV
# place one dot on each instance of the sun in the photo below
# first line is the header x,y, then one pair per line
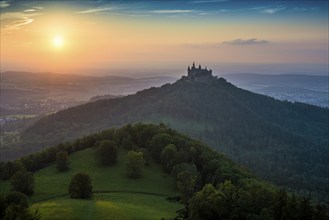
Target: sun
x,y
58,41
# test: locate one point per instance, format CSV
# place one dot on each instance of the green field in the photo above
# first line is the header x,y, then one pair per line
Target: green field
x,y
115,197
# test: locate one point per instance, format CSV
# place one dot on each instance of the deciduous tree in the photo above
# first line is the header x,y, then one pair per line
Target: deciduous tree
x,y
17,198
61,161
157,143
185,184
135,164
81,186
107,152
23,182
207,204
168,157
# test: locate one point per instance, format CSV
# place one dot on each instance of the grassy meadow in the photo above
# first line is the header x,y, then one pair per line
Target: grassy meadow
x,y
115,195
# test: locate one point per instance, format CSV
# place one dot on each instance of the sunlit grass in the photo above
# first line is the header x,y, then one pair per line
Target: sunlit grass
x,y
50,182
52,200
108,206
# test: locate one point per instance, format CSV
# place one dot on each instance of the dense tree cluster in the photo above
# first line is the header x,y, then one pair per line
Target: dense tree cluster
x,y
228,201
15,206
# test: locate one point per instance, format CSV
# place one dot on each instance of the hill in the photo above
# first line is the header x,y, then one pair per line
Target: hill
x,y
209,185
115,195
282,142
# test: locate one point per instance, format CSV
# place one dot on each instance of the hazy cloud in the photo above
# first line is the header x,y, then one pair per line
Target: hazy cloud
x,y
174,11
252,41
30,10
16,15
203,45
270,10
95,10
302,9
17,24
96,1
4,4
140,12
207,1
15,20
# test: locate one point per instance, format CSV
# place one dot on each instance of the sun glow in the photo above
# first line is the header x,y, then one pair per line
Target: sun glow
x,y
58,41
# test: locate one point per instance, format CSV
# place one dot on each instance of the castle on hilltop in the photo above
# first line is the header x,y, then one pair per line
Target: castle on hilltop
x,y
198,74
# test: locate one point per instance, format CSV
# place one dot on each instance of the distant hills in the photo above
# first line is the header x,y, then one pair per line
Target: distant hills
x,y
39,93
309,89
53,82
285,143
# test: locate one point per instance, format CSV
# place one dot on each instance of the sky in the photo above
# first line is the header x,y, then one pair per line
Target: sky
x,y
70,36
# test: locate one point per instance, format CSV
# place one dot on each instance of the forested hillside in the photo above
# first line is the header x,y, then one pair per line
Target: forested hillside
x,y
117,173
285,143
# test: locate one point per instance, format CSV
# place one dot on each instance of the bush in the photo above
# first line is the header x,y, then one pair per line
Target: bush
x,y
107,152
168,157
23,182
3,206
135,163
17,198
80,186
61,161
19,212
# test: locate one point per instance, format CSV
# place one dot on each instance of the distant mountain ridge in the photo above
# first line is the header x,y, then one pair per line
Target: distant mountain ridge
x,y
48,77
310,81
283,142
28,93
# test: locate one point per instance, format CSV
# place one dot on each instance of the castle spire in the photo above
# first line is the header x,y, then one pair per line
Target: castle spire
x,y
193,66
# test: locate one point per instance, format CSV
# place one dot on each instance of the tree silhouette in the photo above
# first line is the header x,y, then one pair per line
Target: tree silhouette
x,y
80,186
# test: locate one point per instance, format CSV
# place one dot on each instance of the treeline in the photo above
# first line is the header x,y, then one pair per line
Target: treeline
x,y
210,185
